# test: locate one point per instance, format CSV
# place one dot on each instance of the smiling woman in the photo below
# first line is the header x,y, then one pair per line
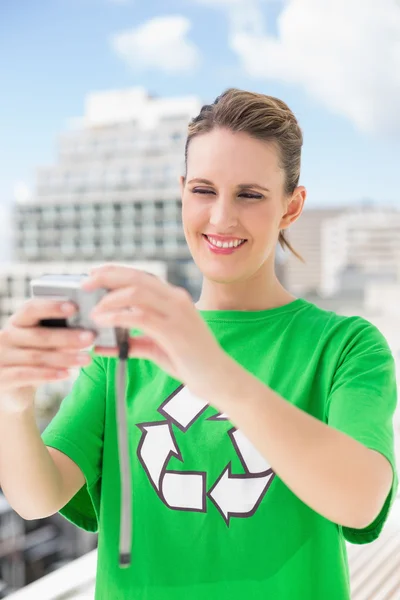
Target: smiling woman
x,y
263,118
260,425
241,183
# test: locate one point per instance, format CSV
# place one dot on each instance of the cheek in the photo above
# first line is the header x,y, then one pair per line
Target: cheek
x,y
261,224
193,215
258,218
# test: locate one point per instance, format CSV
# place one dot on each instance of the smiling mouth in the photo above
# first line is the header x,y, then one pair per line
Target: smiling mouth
x,y
224,245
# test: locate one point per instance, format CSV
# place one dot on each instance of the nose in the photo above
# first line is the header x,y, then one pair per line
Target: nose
x,y
223,214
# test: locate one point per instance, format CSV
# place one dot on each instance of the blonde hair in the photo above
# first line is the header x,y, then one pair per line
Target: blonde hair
x,y
264,118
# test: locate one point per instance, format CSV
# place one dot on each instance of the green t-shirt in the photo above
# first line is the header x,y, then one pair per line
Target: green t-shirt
x,y
210,517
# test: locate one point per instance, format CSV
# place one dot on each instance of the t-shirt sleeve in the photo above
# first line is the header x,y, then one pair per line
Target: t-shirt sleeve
x,y
77,430
362,403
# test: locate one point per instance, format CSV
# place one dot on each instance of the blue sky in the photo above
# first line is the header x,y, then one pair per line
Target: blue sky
x,y
344,89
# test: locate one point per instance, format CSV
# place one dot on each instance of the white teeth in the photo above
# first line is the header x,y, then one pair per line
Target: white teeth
x,y
218,244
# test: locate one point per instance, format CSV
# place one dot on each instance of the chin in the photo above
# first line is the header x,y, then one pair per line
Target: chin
x,y
221,275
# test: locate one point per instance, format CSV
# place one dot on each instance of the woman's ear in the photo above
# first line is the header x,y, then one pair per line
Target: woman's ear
x,y
294,207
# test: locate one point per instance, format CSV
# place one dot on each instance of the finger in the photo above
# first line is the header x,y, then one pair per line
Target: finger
x,y
46,337
140,346
144,347
15,377
35,309
147,321
132,296
125,318
41,358
116,276
133,342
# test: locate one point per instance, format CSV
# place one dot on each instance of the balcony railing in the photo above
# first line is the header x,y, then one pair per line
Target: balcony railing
x,y
74,581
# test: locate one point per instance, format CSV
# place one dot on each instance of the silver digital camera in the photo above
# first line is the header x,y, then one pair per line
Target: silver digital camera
x,y
68,288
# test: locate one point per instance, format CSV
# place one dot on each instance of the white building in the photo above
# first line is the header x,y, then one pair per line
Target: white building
x,y
358,246
345,250
113,193
305,235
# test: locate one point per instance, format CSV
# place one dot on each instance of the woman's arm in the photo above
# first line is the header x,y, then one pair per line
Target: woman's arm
x,y
37,481
331,472
335,475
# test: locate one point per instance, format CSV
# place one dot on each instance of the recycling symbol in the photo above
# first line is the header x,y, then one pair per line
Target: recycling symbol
x,y
233,495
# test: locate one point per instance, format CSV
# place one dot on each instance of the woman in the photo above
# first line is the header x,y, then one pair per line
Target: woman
x,y
260,425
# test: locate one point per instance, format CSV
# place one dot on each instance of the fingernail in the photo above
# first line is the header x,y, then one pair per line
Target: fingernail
x,y
87,336
103,317
86,283
67,307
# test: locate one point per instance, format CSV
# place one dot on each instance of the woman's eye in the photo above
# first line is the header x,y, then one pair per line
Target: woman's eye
x,y
201,191
249,195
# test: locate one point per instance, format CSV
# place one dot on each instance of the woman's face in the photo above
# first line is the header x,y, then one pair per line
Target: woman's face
x,y
234,190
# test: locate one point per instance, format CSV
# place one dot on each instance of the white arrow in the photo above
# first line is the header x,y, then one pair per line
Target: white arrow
x,y
251,459
180,490
183,408
238,495
156,447
233,495
185,491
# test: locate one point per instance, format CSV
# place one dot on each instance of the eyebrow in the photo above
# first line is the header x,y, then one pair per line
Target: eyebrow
x,y
241,186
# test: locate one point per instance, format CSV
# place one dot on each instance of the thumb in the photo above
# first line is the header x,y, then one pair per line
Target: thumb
x,y
144,346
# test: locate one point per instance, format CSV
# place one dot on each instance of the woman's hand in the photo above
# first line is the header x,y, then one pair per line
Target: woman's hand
x,y
31,355
175,336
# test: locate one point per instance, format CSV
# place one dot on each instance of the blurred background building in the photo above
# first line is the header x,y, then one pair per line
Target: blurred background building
x,y
113,196
113,193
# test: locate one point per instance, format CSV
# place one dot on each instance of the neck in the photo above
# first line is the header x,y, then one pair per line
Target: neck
x,y
258,292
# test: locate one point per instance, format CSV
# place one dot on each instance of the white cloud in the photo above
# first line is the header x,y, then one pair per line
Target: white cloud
x,y
344,53
242,13
160,43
